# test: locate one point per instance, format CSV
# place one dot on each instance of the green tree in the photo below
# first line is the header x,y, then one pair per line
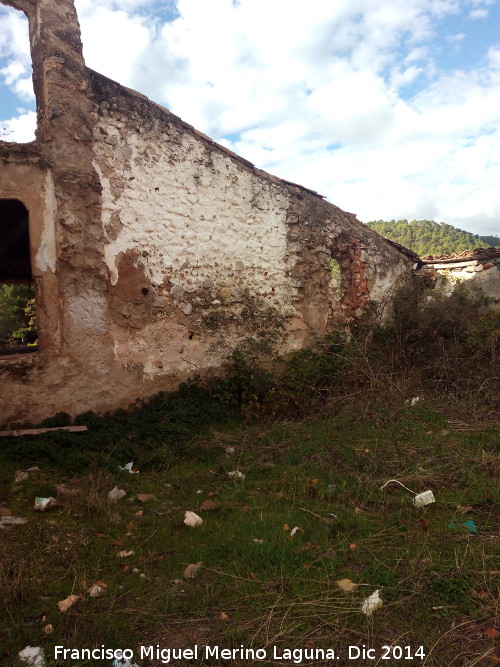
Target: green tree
x,y
17,315
428,237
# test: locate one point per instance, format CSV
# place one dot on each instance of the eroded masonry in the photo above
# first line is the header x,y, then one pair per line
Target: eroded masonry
x,y
153,250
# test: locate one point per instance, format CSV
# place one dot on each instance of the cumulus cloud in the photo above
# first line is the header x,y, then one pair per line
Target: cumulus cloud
x,y
348,98
20,128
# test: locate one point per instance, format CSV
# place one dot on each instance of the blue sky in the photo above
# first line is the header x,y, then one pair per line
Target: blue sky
x,y
391,109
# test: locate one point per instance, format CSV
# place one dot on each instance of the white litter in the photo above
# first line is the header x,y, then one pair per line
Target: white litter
x,y
236,474
33,656
123,662
191,519
128,468
97,589
116,494
424,498
295,530
419,499
371,603
44,504
12,521
413,401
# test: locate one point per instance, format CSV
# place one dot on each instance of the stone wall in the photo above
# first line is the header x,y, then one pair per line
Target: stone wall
x,y
476,274
155,250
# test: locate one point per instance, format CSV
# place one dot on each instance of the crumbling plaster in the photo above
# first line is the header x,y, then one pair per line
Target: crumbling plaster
x,y
155,250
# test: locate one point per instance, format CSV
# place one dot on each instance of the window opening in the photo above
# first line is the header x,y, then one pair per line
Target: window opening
x,y
336,278
17,292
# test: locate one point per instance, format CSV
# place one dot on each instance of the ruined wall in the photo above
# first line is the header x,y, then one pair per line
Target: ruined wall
x,y
476,273
155,250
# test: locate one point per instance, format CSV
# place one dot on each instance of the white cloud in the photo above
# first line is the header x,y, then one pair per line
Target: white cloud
x,y
343,96
478,13
20,128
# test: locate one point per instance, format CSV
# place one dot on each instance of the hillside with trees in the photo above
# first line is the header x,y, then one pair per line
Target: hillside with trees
x,y
427,237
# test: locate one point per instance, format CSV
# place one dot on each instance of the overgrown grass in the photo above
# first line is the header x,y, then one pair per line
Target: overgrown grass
x,y
315,442
323,475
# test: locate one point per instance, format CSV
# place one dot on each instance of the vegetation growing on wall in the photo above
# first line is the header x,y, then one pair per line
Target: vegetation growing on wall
x,y
427,237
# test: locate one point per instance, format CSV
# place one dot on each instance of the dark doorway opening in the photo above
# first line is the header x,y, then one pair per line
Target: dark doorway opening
x,y
17,292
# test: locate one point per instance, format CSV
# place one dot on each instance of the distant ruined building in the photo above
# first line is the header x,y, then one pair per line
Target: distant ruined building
x,y
152,249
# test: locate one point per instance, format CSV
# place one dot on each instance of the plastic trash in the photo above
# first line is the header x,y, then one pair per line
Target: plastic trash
x,y
424,498
33,656
123,662
371,603
470,525
236,474
64,605
44,504
413,401
116,494
419,499
191,519
11,521
97,589
128,467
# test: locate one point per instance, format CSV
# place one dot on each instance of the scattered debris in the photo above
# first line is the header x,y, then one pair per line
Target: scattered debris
x,y
128,467
11,521
123,662
236,474
470,525
48,629
192,569
230,450
295,530
44,504
33,656
97,589
346,585
371,603
35,431
223,616
286,527
191,519
20,476
146,497
125,554
64,605
424,498
419,499
257,540
413,401
116,494
353,547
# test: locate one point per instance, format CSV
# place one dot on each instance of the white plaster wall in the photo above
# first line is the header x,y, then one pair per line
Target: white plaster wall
x,y
46,256
194,215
